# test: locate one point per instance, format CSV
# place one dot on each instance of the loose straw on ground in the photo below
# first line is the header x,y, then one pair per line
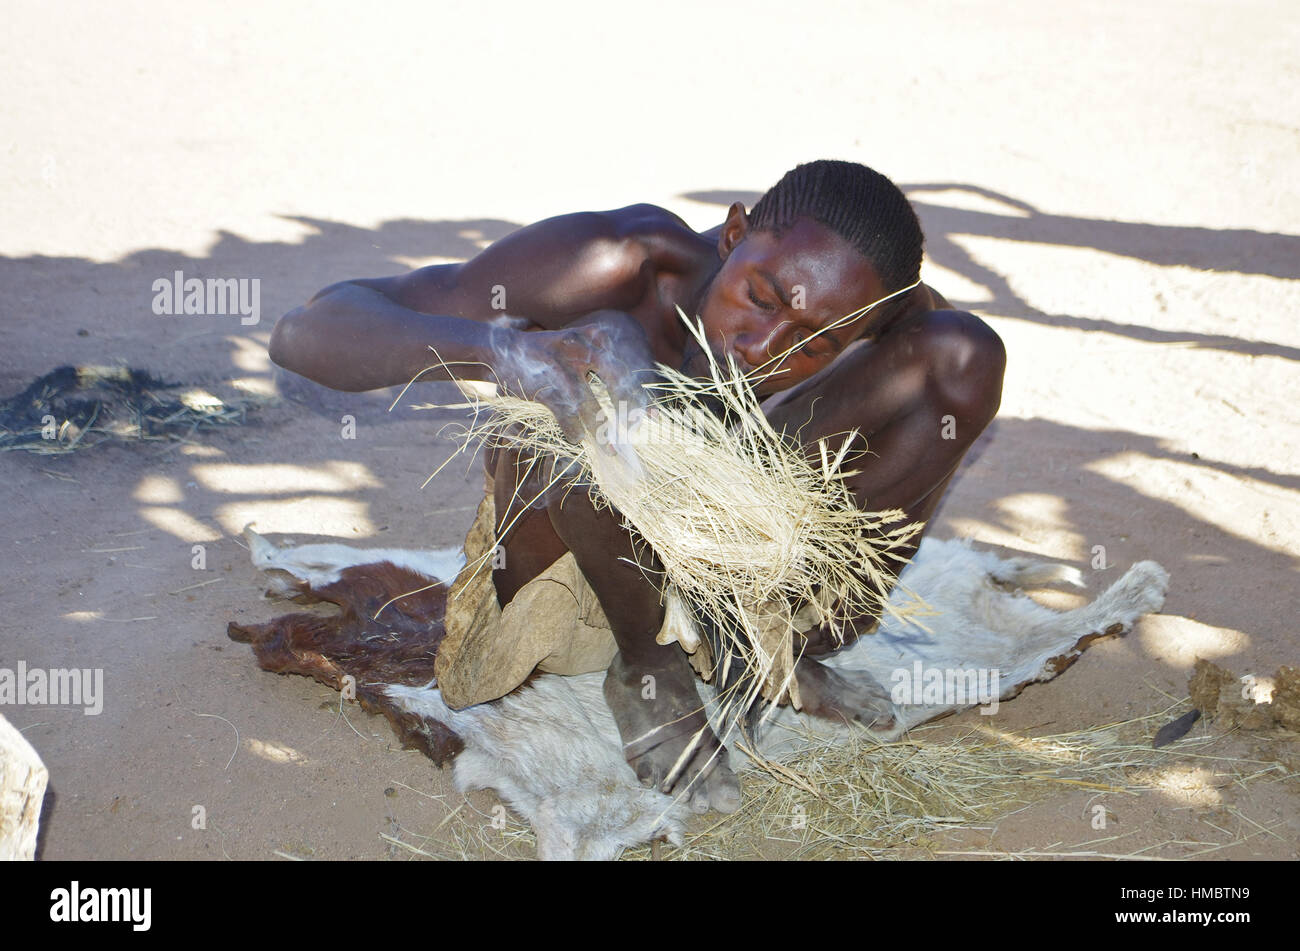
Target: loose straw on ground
x,y
856,798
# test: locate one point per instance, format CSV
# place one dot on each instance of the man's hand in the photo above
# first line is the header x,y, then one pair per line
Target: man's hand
x,y
554,367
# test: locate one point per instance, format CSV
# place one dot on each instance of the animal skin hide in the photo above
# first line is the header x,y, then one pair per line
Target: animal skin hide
x,y
552,751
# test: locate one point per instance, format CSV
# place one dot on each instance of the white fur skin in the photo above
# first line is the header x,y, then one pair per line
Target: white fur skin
x,y
321,565
552,749
981,625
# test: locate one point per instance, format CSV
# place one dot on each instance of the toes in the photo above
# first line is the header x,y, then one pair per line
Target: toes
x,y
724,790
685,775
878,718
646,771
718,784
726,799
884,723
706,783
714,785
885,726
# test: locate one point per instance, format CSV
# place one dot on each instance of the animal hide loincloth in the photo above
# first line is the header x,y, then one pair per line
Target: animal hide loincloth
x,y
554,624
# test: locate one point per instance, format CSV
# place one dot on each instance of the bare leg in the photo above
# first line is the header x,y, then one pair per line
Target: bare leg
x,y
650,688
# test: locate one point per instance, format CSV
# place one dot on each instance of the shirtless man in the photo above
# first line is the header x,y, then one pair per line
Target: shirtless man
x,y
598,293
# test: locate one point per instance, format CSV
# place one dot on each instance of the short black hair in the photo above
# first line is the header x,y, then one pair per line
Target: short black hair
x,y
862,206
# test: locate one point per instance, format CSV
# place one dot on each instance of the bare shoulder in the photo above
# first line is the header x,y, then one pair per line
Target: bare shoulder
x,y
644,218
661,236
956,339
965,357
553,270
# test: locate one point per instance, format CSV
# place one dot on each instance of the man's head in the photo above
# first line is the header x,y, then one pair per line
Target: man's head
x,y
827,239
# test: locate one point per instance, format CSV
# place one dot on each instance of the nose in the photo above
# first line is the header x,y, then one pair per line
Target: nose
x,y
760,341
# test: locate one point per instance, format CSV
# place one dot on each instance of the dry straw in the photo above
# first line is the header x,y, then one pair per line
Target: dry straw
x,y
752,530
855,798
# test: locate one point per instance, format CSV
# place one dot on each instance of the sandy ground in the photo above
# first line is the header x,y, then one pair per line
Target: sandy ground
x,y
1114,186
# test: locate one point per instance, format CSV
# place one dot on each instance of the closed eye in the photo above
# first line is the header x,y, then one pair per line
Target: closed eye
x,y
812,344
765,305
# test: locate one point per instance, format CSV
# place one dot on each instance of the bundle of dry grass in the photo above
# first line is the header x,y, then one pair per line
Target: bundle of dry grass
x,y
751,532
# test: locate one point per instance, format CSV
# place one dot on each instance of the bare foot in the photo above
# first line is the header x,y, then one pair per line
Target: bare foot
x,y
666,736
850,698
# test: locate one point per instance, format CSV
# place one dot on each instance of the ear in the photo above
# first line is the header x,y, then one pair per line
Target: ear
x,y
733,231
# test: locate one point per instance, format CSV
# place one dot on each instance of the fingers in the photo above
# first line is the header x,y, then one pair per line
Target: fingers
x,y
590,417
623,381
566,411
613,348
622,358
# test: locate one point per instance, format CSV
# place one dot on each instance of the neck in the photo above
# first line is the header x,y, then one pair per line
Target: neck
x,y
894,312
699,279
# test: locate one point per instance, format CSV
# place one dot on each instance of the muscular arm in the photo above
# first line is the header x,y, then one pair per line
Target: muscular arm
x,y
353,337
370,333
899,393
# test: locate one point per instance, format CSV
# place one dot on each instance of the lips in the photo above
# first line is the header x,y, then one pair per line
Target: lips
x,y
696,364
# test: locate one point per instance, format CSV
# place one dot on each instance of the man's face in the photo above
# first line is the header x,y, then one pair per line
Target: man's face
x,y
772,294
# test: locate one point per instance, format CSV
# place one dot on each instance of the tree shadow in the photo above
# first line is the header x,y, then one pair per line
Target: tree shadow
x,y
1017,458
69,310
1238,250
